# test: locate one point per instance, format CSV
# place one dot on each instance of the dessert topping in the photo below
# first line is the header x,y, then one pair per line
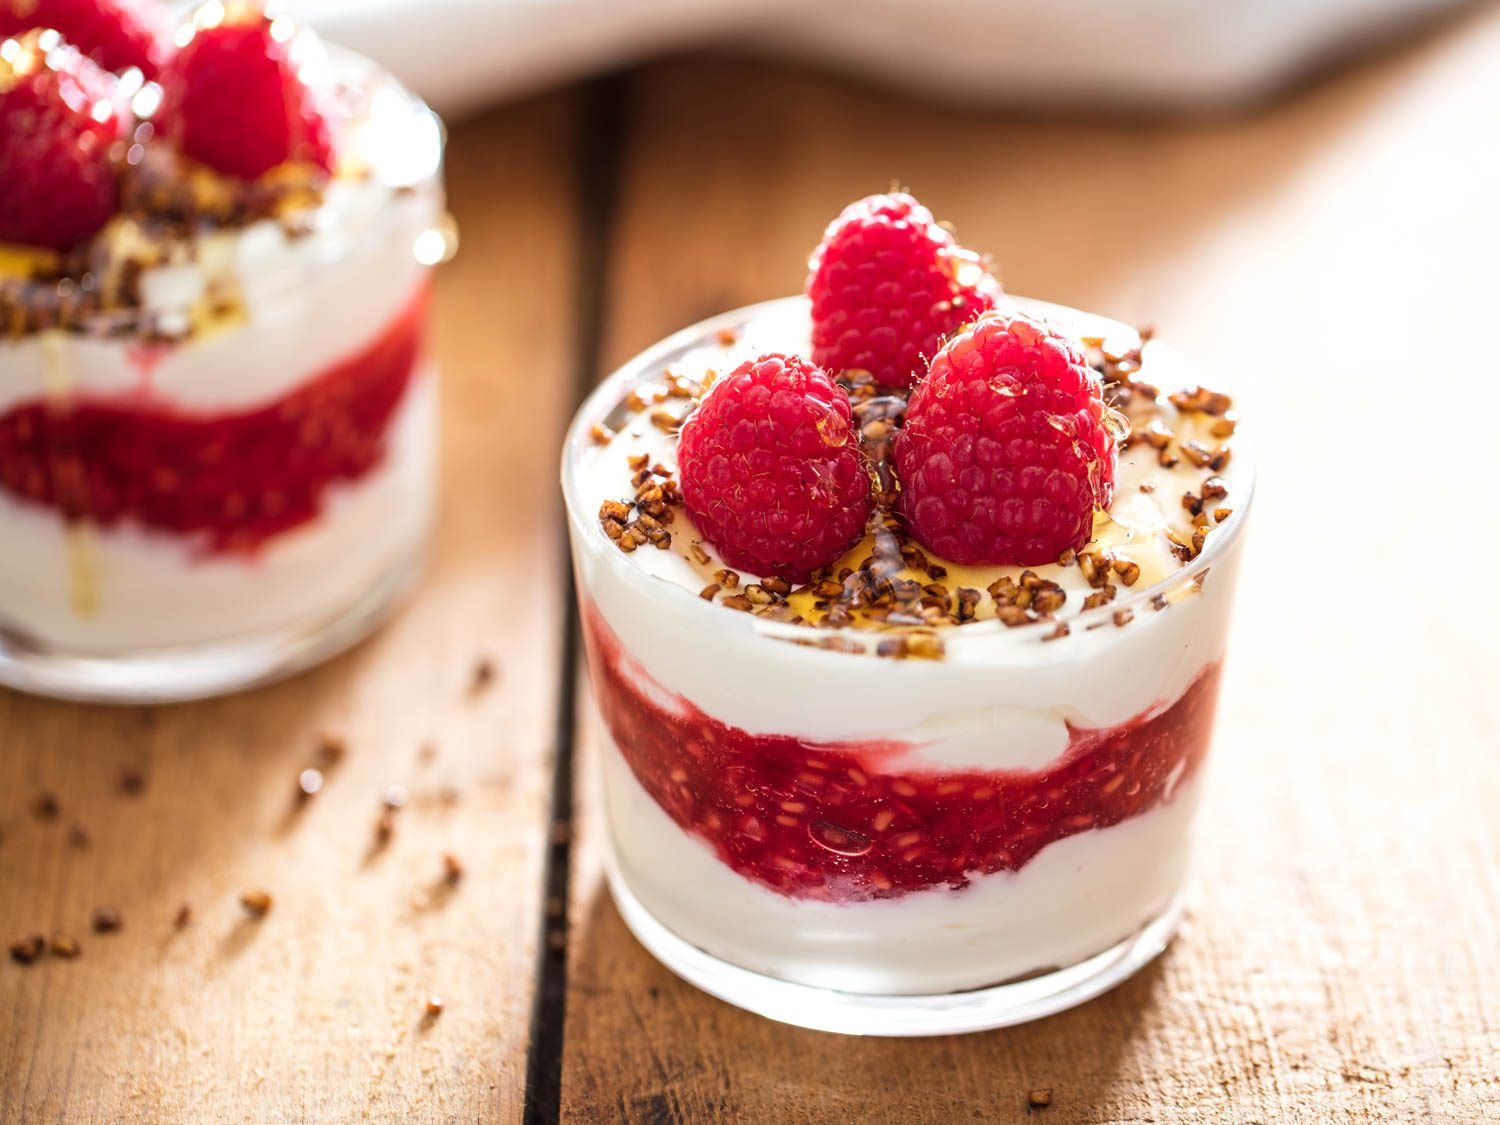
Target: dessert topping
x,y
59,122
116,34
887,285
772,473
235,97
1008,449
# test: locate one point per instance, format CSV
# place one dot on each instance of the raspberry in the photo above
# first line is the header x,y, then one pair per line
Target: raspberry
x,y
771,469
233,99
116,34
1007,448
58,125
887,285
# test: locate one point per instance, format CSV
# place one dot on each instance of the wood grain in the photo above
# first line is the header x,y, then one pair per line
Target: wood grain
x,y
316,1011
1332,260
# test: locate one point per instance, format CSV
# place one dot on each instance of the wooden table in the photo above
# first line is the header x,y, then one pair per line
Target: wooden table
x,y
1333,258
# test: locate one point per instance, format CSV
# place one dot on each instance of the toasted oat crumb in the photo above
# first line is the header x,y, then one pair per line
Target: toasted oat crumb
x,y
483,674
257,904
28,949
1128,571
330,749
64,946
434,1006
1102,596
1039,1099
453,870
45,806
106,920
601,434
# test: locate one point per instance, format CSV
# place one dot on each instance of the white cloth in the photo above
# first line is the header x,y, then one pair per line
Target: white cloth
x,y
1162,53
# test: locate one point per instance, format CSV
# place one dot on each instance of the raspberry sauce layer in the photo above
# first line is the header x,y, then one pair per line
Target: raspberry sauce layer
x,y
231,480
832,821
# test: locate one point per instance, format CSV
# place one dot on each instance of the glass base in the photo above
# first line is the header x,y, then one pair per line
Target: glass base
x,y
848,1013
178,674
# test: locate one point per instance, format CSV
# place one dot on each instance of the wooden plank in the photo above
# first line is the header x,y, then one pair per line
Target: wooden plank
x,y
1330,260
316,1012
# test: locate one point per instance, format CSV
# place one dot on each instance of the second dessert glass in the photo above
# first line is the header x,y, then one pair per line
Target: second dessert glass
x,y
232,476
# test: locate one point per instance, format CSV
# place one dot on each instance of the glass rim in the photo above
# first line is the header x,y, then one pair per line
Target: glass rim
x,y
603,399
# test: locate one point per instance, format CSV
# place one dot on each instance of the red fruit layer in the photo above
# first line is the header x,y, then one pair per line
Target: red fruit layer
x,y
235,480
826,820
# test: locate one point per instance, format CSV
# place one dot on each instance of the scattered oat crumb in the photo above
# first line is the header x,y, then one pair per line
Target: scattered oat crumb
x,y
483,675
385,828
27,949
106,920
330,750
453,870
1039,1099
64,946
46,807
434,1006
257,904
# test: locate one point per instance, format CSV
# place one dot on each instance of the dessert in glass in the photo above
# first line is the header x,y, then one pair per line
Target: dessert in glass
x,y
217,420
905,605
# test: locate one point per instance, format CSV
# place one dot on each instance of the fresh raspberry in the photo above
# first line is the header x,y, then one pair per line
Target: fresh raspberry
x,y
1006,451
234,100
887,286
116,34
771,468
58,125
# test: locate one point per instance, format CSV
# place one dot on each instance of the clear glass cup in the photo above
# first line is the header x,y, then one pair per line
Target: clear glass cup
x,y
893,846
234,479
